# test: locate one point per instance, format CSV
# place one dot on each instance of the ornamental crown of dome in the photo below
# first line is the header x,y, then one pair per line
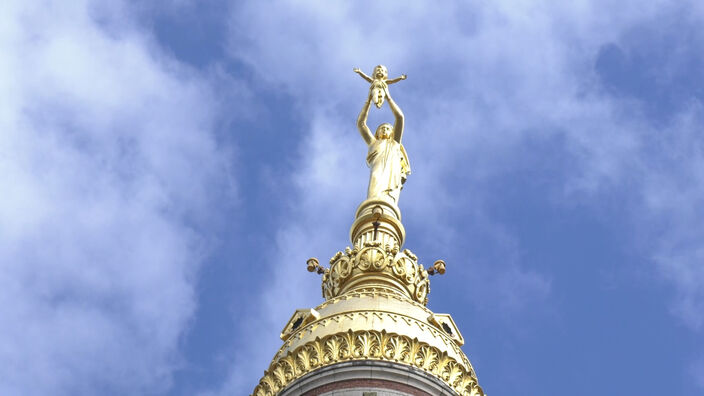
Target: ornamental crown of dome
x,y
374,265
376,259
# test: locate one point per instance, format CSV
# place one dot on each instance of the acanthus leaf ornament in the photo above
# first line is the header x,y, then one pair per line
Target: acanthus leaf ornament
x,y
364,345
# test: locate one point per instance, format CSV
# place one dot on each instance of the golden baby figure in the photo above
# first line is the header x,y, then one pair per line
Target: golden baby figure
x,y
379,83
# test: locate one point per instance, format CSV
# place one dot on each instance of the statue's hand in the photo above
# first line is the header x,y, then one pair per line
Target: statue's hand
x,y
356,70
403,76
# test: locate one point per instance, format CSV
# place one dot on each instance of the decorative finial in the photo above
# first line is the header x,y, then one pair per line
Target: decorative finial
x,y
314,266
438,267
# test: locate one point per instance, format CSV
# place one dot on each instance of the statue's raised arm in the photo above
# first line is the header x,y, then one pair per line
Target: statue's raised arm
x,y
398,117
362,122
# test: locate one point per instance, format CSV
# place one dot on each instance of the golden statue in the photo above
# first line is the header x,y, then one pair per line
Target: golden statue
x,y
380,83
387,159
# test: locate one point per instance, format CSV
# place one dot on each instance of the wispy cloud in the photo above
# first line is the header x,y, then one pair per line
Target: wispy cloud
x,y
108,161
697,372
322,204
484,78
674,200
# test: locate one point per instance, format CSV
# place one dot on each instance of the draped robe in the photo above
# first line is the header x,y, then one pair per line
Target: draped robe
x,y
388,164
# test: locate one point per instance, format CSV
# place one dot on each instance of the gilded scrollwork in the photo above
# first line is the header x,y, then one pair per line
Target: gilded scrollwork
x,y
367,345
386,261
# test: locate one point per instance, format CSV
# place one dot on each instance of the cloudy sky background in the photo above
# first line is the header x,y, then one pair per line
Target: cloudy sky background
x,y
169,167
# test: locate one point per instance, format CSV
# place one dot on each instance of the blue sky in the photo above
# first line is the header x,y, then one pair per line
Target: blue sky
x,y
170,166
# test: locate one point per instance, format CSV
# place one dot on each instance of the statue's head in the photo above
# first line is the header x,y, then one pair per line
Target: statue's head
x,y
384,131
380,72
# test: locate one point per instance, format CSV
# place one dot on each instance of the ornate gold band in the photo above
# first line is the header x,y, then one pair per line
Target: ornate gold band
x,y
367,345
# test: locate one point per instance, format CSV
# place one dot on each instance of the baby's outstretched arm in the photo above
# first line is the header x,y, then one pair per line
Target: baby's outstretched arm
x,y
364,76
397,79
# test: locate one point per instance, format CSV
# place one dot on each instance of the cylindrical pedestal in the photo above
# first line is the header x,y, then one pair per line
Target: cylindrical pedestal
x,y
377,220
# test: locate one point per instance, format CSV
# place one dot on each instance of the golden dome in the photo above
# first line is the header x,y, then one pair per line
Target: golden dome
x,y
374,311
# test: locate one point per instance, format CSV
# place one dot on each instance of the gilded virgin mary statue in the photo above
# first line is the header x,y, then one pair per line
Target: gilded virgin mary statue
x,y
387,159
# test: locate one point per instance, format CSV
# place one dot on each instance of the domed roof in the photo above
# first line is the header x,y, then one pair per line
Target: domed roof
x,y
374,310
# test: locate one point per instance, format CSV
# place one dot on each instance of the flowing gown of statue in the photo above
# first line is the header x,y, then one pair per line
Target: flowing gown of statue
x,y
388,166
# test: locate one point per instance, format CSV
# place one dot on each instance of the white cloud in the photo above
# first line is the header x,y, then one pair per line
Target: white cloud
x,y
322,209
697,373
107,161
483,79
674,203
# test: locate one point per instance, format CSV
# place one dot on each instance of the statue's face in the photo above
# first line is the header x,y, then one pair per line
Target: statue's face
x,y
384,131
380,72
